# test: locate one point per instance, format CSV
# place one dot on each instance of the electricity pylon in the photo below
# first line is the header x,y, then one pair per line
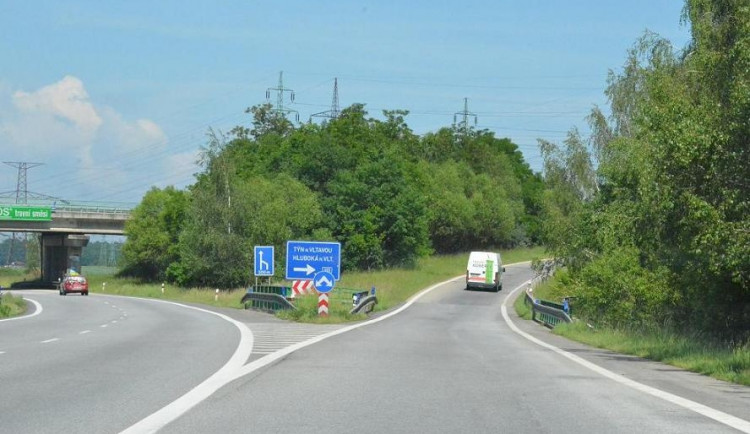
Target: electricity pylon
x,y
279,107
334,112
465,115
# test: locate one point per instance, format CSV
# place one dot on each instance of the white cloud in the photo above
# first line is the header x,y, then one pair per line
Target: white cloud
x,y
61,126
64,100
143,134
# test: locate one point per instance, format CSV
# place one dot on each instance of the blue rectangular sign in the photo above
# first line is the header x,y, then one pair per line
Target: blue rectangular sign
x,y
304,259
263,260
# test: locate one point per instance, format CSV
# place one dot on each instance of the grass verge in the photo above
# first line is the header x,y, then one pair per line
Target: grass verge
x,y
687,352
692,353
393,287
11,306
8,276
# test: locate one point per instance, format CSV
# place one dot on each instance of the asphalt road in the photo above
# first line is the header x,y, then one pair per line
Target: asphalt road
x,y
98,364
452,361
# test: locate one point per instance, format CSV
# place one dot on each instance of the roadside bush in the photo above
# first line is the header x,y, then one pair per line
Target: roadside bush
x,y
616,290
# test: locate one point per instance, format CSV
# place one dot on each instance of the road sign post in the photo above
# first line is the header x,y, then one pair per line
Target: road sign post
x,y
322,304
305,259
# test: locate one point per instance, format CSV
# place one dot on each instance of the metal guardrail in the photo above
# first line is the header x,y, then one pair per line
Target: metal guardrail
x,y
267,297
82,207
272,298
546,312
364,303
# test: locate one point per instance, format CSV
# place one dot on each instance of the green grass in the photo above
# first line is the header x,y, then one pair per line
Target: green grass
x,y
521,309
11,275
393,287
97,270
133,288
693,353
11,306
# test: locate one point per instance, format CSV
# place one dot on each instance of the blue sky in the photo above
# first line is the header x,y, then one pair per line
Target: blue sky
x,y
115,97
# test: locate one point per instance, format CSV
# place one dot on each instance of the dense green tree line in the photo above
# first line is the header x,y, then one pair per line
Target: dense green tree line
x,y
653,222
388,195
102,253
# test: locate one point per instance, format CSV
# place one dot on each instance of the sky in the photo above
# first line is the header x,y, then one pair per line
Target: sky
x,y
112,98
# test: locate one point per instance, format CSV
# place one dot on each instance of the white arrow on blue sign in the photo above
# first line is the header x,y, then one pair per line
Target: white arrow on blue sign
x,y
324,282
263,261
304,259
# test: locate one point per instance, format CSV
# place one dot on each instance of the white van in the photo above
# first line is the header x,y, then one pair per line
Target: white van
x,y
485,271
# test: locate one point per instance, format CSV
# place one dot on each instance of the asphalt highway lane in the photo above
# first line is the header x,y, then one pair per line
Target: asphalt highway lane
x,y
449,363
98,364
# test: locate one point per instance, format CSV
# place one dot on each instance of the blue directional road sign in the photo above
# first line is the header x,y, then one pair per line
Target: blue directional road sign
x,y
263,260
306,258
323,281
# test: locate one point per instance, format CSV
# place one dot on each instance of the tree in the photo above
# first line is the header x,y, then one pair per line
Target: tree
x,y
152,233
672,202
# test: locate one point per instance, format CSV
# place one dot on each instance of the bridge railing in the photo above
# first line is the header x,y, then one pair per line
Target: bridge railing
x,y
91,209
81,207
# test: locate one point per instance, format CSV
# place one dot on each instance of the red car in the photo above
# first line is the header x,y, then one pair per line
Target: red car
x,y
74,284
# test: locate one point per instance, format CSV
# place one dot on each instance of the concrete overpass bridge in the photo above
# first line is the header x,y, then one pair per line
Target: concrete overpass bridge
x,y
64,230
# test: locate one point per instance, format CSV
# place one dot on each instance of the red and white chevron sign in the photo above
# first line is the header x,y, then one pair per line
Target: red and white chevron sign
x,y
323,304
302,287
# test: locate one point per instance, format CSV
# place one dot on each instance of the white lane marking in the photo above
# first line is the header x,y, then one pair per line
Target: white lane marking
x,y
208,387
49,340
114,321
719,416
103,326
224,376
38,309
84,332
267,360
2,352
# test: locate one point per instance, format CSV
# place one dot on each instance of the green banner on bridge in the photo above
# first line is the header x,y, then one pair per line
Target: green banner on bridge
x,y
25,213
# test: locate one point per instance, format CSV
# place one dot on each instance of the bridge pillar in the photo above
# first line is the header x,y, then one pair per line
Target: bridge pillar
x,y
61,252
